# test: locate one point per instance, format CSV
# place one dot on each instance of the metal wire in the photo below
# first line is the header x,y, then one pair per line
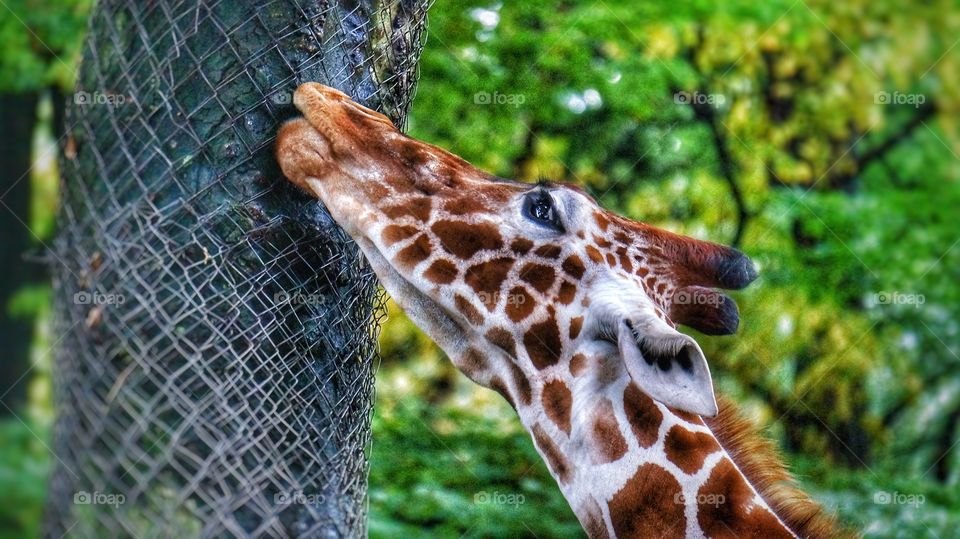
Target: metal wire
x,y
217,329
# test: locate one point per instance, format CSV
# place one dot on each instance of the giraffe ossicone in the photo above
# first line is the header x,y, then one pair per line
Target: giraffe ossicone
x,y
568,310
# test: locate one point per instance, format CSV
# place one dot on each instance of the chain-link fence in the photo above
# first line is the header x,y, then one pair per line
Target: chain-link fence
x,y
216,329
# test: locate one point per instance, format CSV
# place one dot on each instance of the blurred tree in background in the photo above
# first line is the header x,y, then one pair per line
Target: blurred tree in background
x,y
37,46
820,137
39,42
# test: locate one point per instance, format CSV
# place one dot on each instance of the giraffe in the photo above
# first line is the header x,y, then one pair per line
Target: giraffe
x,y
567,310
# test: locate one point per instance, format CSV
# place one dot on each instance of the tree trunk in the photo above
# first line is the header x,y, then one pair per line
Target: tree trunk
x,y
218,328
19,112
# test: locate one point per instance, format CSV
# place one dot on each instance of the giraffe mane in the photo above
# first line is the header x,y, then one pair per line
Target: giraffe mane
x,y
760,462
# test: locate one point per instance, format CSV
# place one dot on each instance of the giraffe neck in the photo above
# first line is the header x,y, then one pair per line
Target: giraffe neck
x,y
632,467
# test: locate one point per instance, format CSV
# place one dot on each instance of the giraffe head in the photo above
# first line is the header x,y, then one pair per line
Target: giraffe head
x,y
567,310
537,275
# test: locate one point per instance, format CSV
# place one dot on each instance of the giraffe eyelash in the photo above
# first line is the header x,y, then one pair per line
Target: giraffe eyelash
x,y
544,183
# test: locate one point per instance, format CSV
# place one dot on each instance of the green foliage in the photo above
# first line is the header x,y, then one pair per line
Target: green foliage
x,y
883,504
39,43
44,174
24,465
446,472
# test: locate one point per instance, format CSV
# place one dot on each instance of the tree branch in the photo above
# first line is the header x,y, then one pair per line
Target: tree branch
x,y
865,159
705,113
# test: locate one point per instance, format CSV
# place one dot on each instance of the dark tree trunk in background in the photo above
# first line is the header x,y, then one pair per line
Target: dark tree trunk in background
x,y
59,111
19,113
218,329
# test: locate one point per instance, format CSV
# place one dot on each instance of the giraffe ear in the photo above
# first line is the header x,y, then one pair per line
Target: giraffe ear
x,y
667,365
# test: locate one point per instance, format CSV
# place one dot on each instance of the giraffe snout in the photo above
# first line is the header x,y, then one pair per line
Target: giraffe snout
x,y
345,124
302,153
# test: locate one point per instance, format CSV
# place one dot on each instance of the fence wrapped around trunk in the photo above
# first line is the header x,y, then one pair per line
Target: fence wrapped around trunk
x,y
216,330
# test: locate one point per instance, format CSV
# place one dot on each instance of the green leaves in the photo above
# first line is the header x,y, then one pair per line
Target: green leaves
x,y
437,471
40,43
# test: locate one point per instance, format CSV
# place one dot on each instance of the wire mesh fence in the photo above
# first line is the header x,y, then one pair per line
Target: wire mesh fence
x,y
216,329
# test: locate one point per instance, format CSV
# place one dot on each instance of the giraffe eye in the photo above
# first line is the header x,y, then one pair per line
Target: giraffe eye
x,y
538,207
